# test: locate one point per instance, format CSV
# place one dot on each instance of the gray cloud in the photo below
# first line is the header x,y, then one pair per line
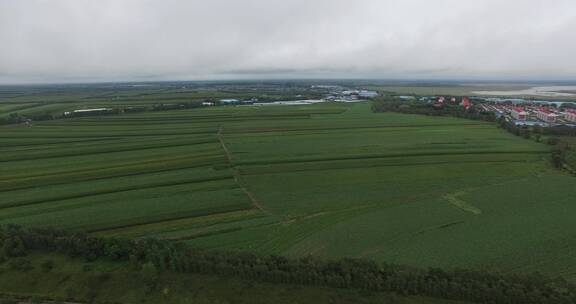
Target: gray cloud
x,y
80,40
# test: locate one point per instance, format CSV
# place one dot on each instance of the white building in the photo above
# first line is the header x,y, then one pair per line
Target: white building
x,y
87,112
547,116
229,101
367,94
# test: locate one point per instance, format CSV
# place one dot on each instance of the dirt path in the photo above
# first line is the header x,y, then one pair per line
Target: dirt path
x,y
237,176
455,200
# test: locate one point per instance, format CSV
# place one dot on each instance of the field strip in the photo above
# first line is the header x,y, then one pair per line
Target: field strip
x,y
454,200
201,160
265,130
93,142
52,144
237,177
382,156
89,129
115,200
47,180
116,190
24,157
344,165
167,218
51,141
20,107
99,135
206,232
184,224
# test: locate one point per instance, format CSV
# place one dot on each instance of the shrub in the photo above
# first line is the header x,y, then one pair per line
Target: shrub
x,y
21,264
47,265
87,267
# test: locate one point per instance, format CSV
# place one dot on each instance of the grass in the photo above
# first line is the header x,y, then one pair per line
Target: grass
x,y
332,180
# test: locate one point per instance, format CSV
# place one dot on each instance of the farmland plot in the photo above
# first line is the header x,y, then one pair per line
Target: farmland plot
x,y
332,180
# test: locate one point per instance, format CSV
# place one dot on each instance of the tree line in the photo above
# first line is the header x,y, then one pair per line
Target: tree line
x,y
17,118
151,256
392,104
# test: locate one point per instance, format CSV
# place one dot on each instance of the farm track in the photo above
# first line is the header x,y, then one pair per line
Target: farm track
x,y
455,200
237,176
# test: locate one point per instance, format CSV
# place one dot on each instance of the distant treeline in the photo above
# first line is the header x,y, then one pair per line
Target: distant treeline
x,y
17,118
392,104
563,153
153,256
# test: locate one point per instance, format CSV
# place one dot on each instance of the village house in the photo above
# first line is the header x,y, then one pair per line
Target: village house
x,y
518,113
547,115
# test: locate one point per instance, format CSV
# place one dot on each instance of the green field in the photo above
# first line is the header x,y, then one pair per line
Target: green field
x,y
331,180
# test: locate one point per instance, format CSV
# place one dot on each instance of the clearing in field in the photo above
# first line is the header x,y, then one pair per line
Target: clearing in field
x,y
331,180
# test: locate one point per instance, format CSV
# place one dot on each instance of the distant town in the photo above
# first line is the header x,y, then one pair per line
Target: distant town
x,y
521,112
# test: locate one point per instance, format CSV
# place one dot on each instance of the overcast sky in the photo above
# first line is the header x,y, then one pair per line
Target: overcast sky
x,y
111,40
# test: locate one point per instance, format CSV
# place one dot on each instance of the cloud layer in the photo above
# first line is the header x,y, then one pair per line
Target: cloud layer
x,y
86,40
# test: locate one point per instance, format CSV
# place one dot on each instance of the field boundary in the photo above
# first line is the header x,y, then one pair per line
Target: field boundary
x,y
237,176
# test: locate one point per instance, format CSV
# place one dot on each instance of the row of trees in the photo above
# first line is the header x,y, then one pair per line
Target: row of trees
x,y
151,256
392,104
16,118
563,152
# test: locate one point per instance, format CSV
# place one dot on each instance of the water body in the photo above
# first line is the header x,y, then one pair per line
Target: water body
x,y
550,91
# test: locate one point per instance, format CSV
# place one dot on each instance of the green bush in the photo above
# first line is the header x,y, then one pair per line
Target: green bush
x,y
87,267
47,265
21,264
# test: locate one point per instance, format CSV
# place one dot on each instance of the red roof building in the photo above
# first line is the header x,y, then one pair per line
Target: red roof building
x,y
466,102
570,115
518,113
546,115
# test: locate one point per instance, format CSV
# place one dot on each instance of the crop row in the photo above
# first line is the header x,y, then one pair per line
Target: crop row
x,y
117,210
399,161
100,148
23,181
